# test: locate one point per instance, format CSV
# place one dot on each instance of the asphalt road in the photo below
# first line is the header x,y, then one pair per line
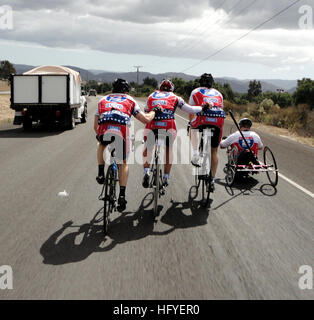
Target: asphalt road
x,y
250,244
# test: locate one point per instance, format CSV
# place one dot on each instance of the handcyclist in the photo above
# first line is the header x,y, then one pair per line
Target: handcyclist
x,y
242,153
163,124
212,118
111,124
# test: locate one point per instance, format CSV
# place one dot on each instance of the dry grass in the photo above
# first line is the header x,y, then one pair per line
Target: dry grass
x,y
6,114
4,85
282,132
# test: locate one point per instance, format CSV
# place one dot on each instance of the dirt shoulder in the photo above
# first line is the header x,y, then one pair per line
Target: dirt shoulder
x,y
6,114
281,132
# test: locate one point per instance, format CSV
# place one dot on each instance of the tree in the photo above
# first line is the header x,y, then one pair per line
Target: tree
x,y
6,69
304,92
151,82
255,89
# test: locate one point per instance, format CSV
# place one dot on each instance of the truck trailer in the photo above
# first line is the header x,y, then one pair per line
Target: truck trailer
x,y
47,94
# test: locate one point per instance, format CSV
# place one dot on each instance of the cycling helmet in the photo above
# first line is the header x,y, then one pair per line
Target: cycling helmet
x,y
206,80
166,85
120,86
245,122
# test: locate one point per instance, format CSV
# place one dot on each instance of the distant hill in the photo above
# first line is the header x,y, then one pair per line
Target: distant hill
x,y
237,85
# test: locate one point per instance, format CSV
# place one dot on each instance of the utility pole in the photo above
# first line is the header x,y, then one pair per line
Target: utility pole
x,y
137,76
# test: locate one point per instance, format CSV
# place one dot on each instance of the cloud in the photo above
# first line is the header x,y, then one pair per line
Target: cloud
x,y
176,28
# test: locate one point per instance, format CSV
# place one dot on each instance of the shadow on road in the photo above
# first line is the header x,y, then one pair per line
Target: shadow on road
x,y
127,227
245,187
38,131
178,219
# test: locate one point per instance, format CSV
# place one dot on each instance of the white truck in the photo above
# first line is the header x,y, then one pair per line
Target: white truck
x,y
47,94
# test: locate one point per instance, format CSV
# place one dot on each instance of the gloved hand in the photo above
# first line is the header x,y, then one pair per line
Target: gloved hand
x,y
157,109
207,105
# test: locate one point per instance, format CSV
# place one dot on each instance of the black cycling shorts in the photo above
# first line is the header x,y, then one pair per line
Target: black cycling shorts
x,y
216,137
118,145
151,136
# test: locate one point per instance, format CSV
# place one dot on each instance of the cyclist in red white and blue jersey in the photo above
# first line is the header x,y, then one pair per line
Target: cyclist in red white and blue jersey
x,y
163,124
212,117
111,124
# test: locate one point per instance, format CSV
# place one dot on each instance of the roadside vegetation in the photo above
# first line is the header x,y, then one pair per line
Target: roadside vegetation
x,y
294,112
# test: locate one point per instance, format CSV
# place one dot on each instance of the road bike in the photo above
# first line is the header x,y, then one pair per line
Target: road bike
x,y
109,193
203,173
156,182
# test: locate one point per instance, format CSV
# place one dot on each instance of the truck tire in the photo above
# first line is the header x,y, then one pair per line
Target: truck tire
x,y
71,120
68,121
27,124
84,115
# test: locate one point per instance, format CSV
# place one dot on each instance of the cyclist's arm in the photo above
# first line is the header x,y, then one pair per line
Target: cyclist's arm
x,y
145,117
96,123
191,109
188,108
226,143
259,142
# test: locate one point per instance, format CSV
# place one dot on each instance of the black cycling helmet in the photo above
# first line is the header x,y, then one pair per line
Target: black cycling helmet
x,y
206,80
166,85
245,122
120,86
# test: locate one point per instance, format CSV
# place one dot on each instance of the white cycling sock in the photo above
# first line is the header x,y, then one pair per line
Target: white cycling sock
x,y
195,152
167,176
146,170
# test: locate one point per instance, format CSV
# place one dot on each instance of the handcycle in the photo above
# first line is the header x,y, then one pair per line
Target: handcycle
x,y
234,169
203,173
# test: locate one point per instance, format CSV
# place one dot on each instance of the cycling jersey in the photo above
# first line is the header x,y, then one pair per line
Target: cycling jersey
x,y
169,102
214,116
116,109
236,140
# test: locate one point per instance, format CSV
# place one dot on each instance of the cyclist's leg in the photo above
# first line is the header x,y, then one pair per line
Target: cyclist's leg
x,y
171,136
194,139
149,141
215,140
123,169
102,144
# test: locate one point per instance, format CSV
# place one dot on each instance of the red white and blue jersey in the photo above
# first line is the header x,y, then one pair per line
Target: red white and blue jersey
x,y
116,109
169,102
213,116
236,140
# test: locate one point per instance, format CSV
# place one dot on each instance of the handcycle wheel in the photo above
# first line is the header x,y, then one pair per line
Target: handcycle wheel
x,y
230,168
230,175
270,162
109,198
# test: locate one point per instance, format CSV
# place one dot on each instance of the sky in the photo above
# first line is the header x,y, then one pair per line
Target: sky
x,y
244,39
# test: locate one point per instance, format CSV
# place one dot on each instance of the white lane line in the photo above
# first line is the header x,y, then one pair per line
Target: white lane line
x,y
296,185
309,193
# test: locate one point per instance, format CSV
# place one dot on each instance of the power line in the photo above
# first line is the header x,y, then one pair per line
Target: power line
x,y
194,44
186,36
226,22
243,36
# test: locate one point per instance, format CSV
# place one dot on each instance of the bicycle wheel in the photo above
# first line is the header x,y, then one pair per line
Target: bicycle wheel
x,y
110,196
156,187
270,162
206,182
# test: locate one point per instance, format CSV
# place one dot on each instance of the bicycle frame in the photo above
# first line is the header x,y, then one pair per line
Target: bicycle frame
x,y
156,181
203,173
